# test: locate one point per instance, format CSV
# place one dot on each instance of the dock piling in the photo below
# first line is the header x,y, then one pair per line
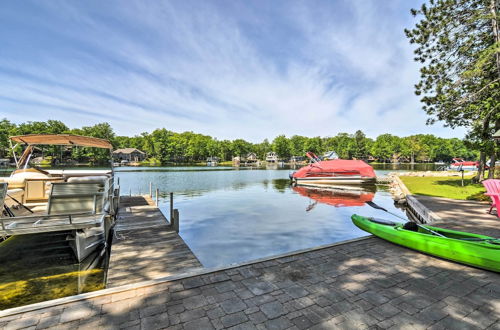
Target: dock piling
x,y
175,220
150,189
171,207
157,196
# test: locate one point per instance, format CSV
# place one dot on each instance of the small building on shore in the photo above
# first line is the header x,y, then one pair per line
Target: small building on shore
x,y
272,157
213,161
251,158
329,155
129,155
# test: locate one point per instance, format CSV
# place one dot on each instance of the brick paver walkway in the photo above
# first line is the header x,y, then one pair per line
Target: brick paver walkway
x,y
368,283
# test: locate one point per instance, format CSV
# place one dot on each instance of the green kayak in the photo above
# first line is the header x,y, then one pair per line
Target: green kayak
x,y
466,248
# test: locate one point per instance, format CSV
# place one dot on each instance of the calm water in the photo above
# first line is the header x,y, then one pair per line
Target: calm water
x,y
234,215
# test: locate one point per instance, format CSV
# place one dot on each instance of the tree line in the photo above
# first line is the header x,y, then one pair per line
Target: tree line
x,y
167,146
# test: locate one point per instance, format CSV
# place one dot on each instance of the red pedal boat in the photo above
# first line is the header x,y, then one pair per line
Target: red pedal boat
x,y
459,164
336,171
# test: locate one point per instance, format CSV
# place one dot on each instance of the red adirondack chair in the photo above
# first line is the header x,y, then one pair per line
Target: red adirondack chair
x,y
493,190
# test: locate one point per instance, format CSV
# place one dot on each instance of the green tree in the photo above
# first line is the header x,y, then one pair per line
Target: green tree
x,y
343,144
94,155
458,44
241,147
262,148
361,145
7,129
226,149
281,145
386,147
297,144
315,145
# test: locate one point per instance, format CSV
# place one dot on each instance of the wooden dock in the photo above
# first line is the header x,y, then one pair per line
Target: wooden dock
x,y
144,246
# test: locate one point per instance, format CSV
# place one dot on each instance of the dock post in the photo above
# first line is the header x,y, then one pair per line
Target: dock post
x,y
171,207
175,220
157,194
130,192
150,189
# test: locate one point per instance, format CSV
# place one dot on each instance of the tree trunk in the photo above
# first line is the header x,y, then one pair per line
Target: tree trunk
x,y
480,170
491,172
494,7
494,4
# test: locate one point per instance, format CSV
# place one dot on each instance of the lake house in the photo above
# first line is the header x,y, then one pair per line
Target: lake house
x,y
272,157
129,154
251,157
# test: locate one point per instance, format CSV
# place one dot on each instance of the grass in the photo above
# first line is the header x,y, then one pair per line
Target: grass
x,y
151,162
448,187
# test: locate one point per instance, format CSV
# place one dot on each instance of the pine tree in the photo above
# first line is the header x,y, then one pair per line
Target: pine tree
x,y
458,44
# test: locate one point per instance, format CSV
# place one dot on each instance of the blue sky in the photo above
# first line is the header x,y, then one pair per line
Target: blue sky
x,y
230,69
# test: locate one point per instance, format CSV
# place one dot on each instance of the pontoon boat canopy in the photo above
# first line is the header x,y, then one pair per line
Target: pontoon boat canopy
x,y
62,139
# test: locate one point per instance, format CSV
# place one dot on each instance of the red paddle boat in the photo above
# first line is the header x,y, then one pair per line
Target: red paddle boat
x,y
336,171
459,164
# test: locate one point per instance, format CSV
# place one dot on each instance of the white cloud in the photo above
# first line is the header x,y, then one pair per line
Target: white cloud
x,y
187,67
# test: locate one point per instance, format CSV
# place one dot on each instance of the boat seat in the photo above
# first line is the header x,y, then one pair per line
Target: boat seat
x,y
74,197
89,179
99,179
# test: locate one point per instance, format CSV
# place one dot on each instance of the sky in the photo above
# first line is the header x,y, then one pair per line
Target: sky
x,y
230,69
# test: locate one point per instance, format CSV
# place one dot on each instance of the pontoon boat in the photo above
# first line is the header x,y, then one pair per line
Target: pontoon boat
x,y
81,202
336,171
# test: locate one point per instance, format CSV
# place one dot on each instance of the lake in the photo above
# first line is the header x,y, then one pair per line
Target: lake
x,y
232,215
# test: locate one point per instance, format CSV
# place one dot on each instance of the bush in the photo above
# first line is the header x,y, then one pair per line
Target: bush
x,y
151,162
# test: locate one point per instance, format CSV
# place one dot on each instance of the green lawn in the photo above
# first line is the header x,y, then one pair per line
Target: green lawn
x,y
448,187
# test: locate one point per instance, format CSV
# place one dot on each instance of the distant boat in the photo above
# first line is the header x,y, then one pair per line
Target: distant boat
x,y
336,171
459,164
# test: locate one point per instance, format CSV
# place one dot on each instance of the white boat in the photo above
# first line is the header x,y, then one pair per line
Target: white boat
x,y
83,202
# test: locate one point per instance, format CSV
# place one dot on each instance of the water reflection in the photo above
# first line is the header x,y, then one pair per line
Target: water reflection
x,y
42,267
337,196
281,185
